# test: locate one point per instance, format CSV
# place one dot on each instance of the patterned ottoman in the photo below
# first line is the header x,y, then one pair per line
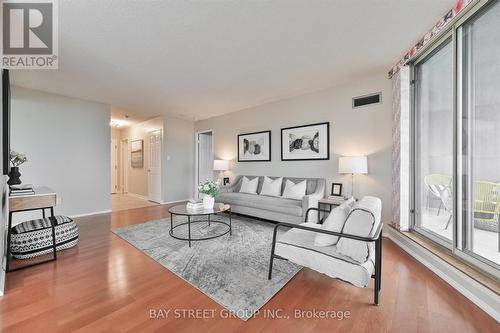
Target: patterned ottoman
x,y
34,238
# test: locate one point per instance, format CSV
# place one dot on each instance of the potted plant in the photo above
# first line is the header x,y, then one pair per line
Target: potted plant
x,y
210,190
16,159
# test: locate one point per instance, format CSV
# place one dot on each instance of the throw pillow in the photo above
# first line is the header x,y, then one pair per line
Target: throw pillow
x,y
334,222
363,220
295,191
249,186
271,187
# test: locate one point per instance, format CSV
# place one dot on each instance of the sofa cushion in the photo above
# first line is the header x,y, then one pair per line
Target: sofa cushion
x,y
275,204
297,245
249,186
363,220
295,191
271,187
334,222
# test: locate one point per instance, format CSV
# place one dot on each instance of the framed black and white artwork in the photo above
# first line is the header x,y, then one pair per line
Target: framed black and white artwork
x,y
136,154
307,142
254,147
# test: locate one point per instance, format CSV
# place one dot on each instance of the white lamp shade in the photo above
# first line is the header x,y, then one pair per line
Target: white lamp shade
x,y
221,165
353,164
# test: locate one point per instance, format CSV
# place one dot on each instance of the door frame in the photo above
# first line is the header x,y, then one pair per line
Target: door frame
x,y
125,164
196,162
149,134
115,178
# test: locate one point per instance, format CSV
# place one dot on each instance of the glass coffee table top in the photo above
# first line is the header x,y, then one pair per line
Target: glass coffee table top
x,y
182,210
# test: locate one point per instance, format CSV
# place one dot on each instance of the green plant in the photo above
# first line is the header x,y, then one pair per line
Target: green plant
x,y
17,158
209,188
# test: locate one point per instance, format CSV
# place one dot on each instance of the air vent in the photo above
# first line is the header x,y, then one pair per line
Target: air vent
x,y
370,99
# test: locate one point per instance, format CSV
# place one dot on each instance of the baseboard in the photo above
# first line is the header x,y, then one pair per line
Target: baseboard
x,y
2,281
92,213
173,202
143,197
483,297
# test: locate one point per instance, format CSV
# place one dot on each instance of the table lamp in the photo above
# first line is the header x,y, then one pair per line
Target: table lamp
x,y
353,165
221,165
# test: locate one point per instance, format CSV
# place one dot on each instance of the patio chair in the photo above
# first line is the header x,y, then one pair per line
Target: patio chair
x,y
437,184
487,204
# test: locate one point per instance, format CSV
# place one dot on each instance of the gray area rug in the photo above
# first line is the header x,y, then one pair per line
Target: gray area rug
x,y
231,270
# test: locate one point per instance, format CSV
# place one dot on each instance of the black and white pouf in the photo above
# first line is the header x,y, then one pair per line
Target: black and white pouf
x,y
34,238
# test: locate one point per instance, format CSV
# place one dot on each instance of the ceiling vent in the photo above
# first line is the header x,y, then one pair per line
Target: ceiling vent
x,y
366,100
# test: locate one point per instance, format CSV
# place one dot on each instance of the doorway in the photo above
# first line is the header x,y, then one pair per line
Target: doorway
x,y
154,167
204,157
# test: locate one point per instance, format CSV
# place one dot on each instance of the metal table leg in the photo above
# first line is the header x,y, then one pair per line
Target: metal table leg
x,y
189,230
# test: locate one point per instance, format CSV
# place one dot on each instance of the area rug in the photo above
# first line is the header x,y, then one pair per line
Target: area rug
x,y
231,270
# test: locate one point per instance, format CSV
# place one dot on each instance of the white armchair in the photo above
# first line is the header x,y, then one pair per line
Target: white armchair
x,y
356,256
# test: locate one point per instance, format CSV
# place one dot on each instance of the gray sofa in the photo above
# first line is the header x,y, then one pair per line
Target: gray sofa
x,y
274,208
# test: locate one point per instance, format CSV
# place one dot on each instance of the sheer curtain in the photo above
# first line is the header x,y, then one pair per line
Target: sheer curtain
x,y
401,149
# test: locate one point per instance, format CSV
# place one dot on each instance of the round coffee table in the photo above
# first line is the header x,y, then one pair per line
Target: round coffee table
x,y
181,210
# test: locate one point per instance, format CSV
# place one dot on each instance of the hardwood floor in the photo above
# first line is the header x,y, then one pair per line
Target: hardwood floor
x,y
123,201
106,285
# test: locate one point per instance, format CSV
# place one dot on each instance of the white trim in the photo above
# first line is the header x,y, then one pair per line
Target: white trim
x,y
92,213
172,202
196,180
138,196
124,164
2,281
483,297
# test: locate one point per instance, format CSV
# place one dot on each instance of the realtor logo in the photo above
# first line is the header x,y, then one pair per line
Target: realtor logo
x,y
30,34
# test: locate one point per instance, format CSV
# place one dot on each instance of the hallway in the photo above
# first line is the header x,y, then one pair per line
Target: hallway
x,y
126,201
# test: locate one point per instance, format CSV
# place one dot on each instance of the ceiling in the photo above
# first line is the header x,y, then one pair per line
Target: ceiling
x,y
198,59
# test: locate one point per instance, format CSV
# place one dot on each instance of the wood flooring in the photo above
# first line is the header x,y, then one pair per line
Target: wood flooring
x,y
106,285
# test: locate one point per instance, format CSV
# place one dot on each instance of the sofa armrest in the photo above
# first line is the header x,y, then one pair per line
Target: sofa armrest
x,y
311,201
227,189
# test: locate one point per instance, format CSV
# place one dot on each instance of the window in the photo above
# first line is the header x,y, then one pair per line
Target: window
x,y
433,80
456,144
479,75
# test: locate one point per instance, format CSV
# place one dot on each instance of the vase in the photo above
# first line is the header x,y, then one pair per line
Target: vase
x,y
208,202
14,176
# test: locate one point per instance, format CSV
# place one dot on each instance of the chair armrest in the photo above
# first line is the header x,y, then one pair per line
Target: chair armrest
x,y
374,238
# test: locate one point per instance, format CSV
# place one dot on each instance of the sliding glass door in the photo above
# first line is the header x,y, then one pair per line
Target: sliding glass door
x,y
433,81
479,93
456,122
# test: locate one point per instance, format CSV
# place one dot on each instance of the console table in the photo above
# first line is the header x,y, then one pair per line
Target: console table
x,y
43,199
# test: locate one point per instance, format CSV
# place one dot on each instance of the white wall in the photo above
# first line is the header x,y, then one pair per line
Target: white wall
x,y
67,142
178,171
352,132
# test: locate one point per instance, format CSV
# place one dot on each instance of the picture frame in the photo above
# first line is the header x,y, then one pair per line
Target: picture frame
x,y
137,154
306,142
336,189
254,147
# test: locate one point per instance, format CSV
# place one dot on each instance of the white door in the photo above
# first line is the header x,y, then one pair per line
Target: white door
x,y
114,166
125,164
205,157
154,167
